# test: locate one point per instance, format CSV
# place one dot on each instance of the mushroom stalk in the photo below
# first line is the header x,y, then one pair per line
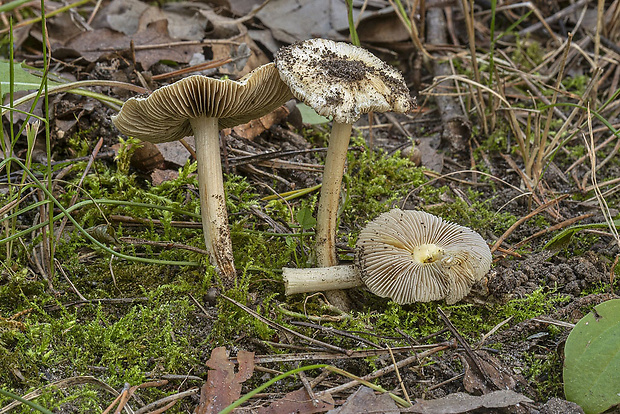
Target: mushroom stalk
x,y
318,279
212,198
327,215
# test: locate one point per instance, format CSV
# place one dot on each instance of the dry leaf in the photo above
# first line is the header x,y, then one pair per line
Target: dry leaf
x,y
131,16
146,157
494,370
97,43
256,127
460,402
298,402
364,400
174,152
161,176
382,27
430,158
294,20
223,386
224,27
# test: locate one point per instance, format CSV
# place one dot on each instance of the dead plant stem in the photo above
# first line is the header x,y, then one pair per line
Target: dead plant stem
x,y
468,13
381,372
524,219
543,140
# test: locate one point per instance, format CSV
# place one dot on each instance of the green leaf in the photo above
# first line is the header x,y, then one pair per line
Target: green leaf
x,y
305,219
563,238
592,359
309,115
23,80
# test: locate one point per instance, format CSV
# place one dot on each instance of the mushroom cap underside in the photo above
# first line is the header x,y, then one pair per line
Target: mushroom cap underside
x,y
413,256
341,80
164,115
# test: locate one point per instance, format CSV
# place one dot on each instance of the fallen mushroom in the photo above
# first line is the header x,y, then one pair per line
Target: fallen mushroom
x,y
408,256
342,81
201,106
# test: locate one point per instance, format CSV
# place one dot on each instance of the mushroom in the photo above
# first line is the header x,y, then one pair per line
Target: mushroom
x,y
408,256
342,81
202,106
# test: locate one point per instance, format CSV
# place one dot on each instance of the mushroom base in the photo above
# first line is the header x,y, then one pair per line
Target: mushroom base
x,y
320,279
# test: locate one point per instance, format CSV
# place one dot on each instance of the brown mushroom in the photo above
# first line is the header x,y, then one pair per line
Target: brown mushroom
x,y
408,256
200,106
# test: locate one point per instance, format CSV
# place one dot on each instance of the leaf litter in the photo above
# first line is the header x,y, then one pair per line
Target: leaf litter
x,y
223,386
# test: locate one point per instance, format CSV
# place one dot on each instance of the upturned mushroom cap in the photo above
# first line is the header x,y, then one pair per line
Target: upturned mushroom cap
x,y
164,115
342,80
413,256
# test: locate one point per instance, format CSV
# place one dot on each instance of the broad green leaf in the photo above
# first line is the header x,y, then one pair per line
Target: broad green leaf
x,y
23,80
305,219
561,239
592,359
309,115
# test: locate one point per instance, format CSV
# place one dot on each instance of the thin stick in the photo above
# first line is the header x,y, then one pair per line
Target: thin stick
x,y
91,160
400,380
387,370
326,356
441,384
77,292
288,330
558,226
166,400
601,200
524,219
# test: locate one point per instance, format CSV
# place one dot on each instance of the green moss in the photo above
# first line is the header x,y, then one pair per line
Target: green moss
x,y
543,370
480,216
375,183
79,144
576,84
528,51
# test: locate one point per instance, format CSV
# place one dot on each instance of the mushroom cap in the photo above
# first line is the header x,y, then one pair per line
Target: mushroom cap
x,y
164,115
413,256
342,80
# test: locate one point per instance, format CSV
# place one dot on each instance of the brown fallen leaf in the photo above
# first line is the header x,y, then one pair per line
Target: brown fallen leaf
x,y
460,402
257,126
146,157
298,402
246,58
159,177
430,158
223,386
101,42
291,21
364,400
495,375
382,27
175,153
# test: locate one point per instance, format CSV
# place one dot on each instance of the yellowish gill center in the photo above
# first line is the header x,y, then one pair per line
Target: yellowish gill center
x,y
427,253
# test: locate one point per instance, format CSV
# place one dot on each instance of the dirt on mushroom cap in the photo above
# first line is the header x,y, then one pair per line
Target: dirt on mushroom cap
x,y
342,80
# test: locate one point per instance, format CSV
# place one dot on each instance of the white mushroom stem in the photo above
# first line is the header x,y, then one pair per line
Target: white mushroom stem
x,y
327,216
212,198
330,195
318,279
